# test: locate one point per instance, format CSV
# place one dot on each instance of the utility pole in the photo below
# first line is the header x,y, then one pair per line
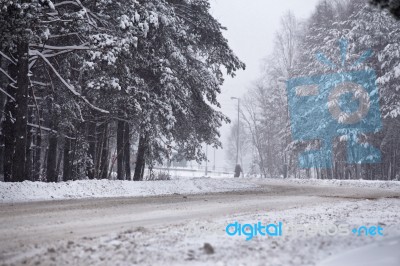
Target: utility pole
x,y
214,161
238,129
206,159
238,168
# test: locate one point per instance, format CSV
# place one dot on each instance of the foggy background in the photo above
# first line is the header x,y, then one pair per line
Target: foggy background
x,y
251,29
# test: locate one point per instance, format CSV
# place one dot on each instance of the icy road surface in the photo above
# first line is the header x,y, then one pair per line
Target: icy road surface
x,y
172,229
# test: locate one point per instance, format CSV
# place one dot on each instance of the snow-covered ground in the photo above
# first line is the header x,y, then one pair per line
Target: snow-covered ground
x,y
30,191
130,235
385,253
381,184
204,241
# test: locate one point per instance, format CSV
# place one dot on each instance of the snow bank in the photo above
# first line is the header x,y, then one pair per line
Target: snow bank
x,y
373,184
28,191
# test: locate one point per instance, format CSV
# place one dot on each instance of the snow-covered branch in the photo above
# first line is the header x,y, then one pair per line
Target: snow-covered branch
x,y
63,35
71,88
5,93
40,83
8,58
6,74
63,3
67,47
56,20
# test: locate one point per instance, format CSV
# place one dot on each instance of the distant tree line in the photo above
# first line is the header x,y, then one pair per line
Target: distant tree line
x,y
89,86
265,116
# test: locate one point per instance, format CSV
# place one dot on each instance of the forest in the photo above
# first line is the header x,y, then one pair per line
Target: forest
x,y
90,88
267,146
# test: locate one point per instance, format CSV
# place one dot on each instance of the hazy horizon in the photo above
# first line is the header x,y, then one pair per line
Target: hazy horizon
x,y
251,27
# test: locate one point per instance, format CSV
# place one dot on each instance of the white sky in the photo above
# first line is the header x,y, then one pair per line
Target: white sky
x,y
251,27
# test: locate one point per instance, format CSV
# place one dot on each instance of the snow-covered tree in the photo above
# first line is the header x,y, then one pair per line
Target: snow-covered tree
x,y
340,36
33,35
86,73
392,5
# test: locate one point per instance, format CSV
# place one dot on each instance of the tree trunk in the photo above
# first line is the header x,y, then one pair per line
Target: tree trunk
x,y
73,156
140,159
4,81
92,149
28,162
21,99
59,160
120,150
3,99
52,159
38,155
8,140
67,162
104,153
8,130
127,152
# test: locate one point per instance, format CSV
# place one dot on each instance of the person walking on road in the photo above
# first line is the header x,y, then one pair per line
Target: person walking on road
x,y
238,170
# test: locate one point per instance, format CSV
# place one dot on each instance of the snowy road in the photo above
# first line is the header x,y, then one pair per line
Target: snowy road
x,y
51,231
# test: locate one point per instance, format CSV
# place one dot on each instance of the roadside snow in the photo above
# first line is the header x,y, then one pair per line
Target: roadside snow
x,y
30,191
380,184
33,191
